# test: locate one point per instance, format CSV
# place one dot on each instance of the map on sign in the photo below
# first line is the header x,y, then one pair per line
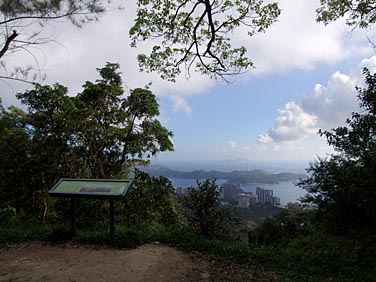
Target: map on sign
x,y
95,188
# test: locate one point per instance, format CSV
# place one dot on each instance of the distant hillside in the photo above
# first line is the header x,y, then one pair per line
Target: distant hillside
x,y
242,177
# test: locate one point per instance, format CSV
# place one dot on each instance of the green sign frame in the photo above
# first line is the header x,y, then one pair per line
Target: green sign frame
x,y
91,188
105,189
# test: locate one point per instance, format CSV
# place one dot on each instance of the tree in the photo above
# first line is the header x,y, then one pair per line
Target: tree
x,y
150,202
105,130
113,131
22,23
358,13
15,165
344,185
203,211
197,33
48,127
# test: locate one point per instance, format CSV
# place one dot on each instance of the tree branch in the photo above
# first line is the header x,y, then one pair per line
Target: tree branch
x,y
69,14
7,43
16,79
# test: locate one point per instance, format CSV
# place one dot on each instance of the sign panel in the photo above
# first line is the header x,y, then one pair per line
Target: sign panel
x,y
91,188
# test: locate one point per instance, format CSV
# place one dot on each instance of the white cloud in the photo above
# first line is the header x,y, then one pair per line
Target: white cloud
x,y
180,104
369,63
297,41
291,124
232,144
326,107
333,103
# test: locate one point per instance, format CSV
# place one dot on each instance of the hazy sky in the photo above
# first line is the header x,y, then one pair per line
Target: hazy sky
x,y
304,80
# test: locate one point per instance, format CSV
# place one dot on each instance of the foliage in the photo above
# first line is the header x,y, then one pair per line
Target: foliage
x,y
15,165
22,24
150,202
344,186
203,211
113,131
257,213
358,13
7,215
98,134
197,33
98,126
193,34
281,228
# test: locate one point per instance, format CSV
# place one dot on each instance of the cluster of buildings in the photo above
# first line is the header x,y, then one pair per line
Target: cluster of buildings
x,y
232,194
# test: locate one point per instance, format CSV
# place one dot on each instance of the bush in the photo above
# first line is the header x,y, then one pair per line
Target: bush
x,y
7,215
203,211
282,228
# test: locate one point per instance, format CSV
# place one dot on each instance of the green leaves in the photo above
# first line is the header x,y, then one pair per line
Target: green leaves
x,y
358,13
113,129
150,202
203,211
196,34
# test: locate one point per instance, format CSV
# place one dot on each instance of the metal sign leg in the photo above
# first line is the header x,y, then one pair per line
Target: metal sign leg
x,y
74,215
112,219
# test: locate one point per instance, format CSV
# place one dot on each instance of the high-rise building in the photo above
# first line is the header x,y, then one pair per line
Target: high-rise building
x,y
230,191
264,195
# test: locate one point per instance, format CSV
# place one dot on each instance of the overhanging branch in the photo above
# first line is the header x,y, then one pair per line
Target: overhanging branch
x,y
7,43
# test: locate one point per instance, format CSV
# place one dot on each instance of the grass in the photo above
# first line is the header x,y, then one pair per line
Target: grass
x,y
315,257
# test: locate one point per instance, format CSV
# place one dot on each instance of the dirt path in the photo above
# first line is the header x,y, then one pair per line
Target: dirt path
x,y
37,262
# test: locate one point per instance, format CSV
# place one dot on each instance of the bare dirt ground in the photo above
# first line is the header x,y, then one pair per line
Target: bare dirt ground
x,y
38,262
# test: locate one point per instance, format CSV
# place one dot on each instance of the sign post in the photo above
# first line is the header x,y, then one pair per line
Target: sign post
x,y
106,189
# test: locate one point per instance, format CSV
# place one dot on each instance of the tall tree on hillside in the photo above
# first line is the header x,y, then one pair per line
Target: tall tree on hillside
x,y
113,131
344,185
49,128
15,165
100,126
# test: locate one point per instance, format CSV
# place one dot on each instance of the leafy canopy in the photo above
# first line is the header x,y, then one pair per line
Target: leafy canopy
x,y
190,34
358,13
203,211
197,34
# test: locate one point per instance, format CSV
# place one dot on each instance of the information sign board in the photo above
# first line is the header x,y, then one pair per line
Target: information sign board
x,y
91,188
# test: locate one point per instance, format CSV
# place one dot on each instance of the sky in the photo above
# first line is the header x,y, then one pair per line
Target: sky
x,y
304,80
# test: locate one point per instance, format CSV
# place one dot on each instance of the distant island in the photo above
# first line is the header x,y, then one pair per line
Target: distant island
x,y
241,177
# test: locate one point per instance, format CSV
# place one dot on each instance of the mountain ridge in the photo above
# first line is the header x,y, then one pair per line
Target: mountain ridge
x,y
242,177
